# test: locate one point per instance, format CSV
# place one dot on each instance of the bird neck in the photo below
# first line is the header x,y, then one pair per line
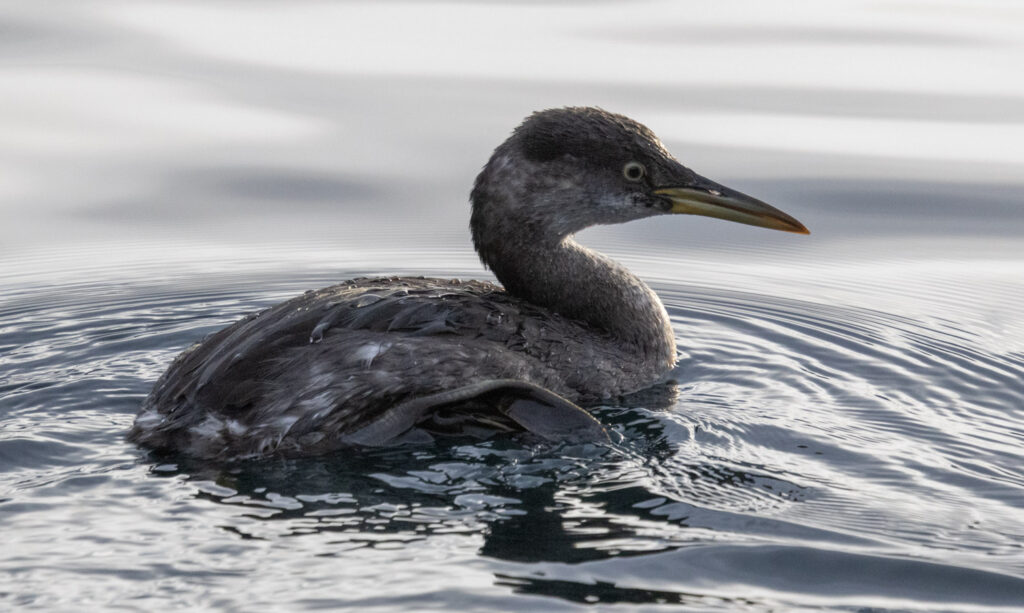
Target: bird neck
x,y
582,284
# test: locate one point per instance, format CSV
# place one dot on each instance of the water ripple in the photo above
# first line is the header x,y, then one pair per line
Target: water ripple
x,y
820,429
824,433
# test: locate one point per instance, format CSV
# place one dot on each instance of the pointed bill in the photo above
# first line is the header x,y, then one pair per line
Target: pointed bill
x,y
705,197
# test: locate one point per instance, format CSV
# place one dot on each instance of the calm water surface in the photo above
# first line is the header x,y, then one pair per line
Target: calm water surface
x,y
847,430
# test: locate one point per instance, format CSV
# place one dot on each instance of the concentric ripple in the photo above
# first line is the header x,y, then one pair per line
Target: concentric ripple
x,y
799,445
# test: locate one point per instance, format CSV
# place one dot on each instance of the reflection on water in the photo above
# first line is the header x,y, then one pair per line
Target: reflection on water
x,y
810,453
845,429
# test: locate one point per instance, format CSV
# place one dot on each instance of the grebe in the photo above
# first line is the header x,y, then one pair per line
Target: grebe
x,y
383,361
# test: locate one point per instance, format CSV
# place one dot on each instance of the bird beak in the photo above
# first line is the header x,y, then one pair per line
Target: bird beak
x,y
705,197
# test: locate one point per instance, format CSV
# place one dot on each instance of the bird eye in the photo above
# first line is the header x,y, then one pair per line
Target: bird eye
x,y
633,171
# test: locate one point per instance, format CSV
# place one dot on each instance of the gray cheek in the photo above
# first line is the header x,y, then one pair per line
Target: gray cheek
x,y
644,205
653,204
639,200
613,208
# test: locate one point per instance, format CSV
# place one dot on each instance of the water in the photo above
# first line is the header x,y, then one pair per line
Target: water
x,y
847,431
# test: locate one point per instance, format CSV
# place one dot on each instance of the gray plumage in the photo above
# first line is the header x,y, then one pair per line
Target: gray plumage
x,y
378,361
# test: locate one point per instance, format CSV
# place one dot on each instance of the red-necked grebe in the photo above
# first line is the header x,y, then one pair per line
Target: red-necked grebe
x,y
383,361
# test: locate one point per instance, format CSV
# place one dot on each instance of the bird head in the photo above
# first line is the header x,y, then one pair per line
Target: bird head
x,y
566,169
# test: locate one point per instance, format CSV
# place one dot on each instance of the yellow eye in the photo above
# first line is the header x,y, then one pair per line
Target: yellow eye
x,y
633,171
